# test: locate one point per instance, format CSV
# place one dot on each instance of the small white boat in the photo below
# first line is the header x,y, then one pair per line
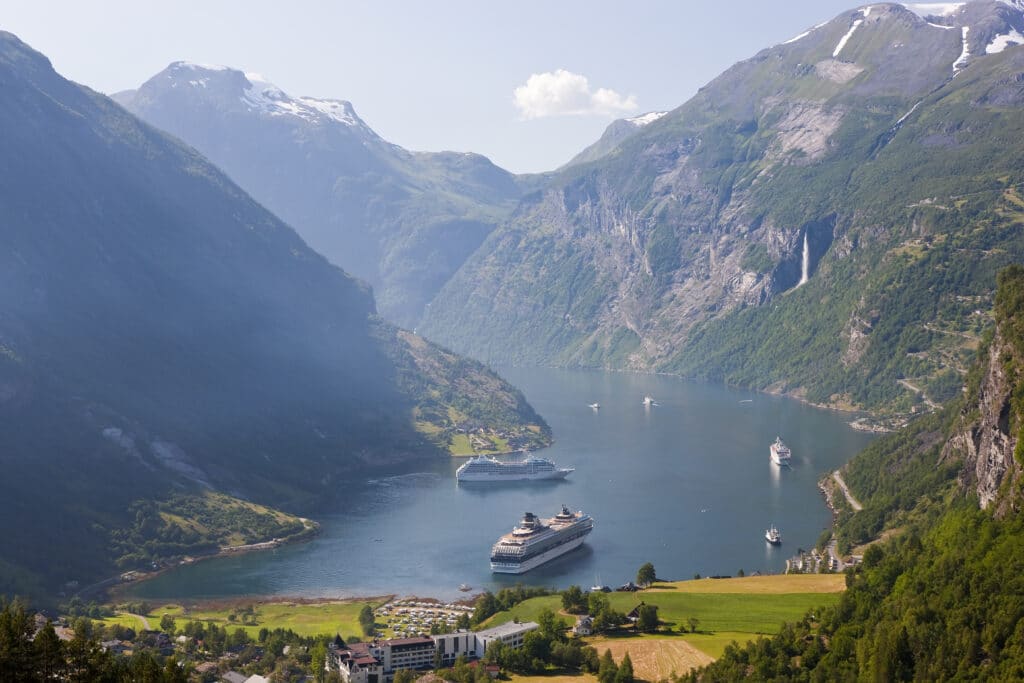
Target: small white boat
x,y
648,402
594,406
773,536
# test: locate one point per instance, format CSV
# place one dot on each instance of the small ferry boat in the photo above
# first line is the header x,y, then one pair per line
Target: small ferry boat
x,y
780,452
648,402
594,406
773,536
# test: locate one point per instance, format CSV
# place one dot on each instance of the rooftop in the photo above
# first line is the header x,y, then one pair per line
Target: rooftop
x,y
507,629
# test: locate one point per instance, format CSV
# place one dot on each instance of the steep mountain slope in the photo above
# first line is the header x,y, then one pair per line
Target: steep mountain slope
x,y
403,221
824,219
161,331
614,135
940,600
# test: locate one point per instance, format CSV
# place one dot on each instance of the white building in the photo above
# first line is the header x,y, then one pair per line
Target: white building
x,y
377,661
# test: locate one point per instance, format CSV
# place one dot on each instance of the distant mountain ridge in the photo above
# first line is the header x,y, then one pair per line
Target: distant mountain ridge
x,y
162,332
614,135
403,221
879,149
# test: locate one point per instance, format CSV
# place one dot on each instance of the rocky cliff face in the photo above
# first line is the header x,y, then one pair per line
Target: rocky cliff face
x,y
989,429
985,441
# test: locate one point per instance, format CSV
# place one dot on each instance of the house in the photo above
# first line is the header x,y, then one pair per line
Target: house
x,y
634,613
233,677
117,647
492,669
584,625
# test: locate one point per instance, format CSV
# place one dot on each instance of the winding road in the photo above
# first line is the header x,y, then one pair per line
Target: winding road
x,y
846,492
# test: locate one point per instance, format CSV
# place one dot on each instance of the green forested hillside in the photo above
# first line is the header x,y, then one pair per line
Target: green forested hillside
x,y
940,600
161,332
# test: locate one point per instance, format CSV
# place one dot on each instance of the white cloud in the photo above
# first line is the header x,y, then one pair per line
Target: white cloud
x,y
563,93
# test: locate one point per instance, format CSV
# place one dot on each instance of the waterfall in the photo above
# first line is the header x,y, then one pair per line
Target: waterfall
x,y
806,266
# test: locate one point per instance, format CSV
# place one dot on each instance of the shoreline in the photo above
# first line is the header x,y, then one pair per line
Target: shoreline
x,y
116,589
874,423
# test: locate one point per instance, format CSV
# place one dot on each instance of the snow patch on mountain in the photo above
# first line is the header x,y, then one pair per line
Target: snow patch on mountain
x,y
842,41
644,119
965,54
1000,43
337,110
196,66
804,34
265,97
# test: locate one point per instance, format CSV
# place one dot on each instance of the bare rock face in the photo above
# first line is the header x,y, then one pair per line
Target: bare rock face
x,y
986,443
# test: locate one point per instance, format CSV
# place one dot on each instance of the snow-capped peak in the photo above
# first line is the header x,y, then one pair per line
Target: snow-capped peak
x,y
258,94
265,97
644,119
196,66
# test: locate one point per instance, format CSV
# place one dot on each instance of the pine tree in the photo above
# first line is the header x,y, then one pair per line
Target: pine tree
x,y
625,672
607,671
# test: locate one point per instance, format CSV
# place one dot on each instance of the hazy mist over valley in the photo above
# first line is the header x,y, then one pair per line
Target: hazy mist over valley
x,y
729,385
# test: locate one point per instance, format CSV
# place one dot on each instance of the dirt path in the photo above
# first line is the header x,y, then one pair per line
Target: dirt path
x,y
917,390
846,492
144,620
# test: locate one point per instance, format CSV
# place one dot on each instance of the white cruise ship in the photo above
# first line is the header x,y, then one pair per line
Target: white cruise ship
x,y
535,541
482,468
780,452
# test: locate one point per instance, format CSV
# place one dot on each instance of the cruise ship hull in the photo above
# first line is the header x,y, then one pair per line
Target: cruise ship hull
x,y
536,476
537,560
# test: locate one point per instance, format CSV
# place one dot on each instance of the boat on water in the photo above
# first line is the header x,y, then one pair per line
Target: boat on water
x,y
594,406
780,452
465,587
648,402
535,541
483,468
773,536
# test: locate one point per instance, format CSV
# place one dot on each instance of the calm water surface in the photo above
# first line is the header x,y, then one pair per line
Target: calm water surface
x,y
686,484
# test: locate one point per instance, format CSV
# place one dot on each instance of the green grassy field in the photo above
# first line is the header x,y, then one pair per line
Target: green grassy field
x,y
738,612
727,609
306,619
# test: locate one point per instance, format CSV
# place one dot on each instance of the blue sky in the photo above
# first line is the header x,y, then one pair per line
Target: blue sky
x,y
434,75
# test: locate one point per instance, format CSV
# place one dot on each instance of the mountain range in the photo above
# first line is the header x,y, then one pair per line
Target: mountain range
x,y
807,224
403,221
824,219
162,333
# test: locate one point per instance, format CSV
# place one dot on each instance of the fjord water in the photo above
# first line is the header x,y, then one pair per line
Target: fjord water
x,y
686,484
